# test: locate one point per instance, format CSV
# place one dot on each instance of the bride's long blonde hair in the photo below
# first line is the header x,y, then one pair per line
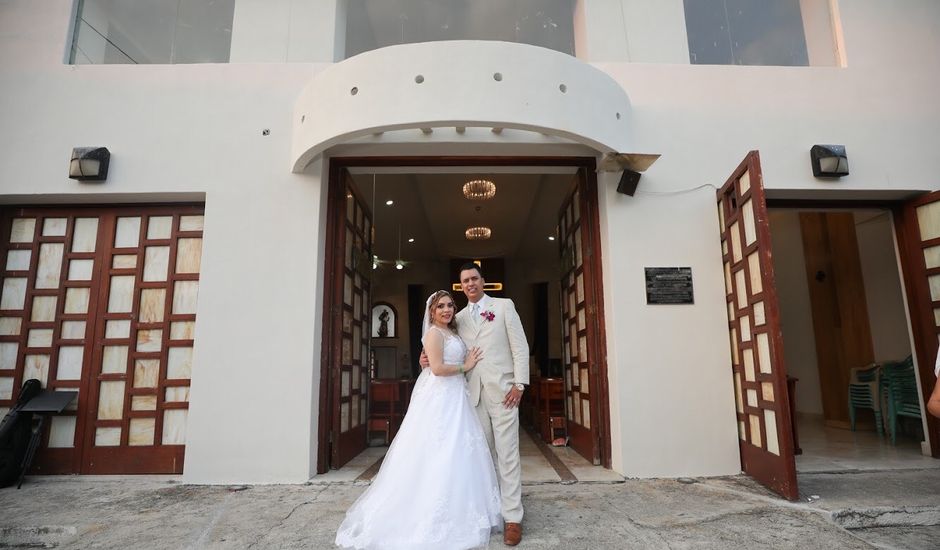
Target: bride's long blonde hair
x,y
432,303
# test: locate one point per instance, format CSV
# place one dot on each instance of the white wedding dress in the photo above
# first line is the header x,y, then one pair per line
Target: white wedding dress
x,y
437,487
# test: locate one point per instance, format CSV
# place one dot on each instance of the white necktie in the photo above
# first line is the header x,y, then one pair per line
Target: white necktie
x,y
476,313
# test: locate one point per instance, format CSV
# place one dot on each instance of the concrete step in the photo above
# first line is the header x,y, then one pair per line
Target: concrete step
x,y
44,536
887,516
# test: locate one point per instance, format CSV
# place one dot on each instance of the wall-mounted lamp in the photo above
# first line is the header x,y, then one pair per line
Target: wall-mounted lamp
x,y
829,161
89,163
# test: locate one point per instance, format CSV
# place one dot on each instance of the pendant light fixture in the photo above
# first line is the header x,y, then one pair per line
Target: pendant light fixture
x,y
479,190
478,232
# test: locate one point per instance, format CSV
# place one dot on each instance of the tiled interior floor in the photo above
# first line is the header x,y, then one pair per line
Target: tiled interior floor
x,y
354,468
536,469
827,449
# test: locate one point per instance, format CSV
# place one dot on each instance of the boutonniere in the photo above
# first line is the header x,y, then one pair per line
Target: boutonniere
x,y
487,315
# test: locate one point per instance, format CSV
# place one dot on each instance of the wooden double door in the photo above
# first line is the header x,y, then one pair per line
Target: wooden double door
x,y
755,334
103,301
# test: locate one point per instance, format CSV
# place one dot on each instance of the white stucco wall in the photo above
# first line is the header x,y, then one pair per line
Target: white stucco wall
x,y
187,131
672,400
887,314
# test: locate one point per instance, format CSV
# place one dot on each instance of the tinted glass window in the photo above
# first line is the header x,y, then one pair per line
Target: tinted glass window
x,y
153,31
372,24
745,32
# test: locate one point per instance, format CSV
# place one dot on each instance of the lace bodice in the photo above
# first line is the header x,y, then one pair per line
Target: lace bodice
x,y
455,351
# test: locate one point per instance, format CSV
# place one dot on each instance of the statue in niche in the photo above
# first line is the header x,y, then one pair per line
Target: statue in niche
x,y
383,324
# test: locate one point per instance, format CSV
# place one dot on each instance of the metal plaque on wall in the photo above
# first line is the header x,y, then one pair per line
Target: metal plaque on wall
x,y
669,285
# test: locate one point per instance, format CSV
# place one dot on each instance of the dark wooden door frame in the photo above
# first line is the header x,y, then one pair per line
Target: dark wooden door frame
x,y
586,166
914,274
915,287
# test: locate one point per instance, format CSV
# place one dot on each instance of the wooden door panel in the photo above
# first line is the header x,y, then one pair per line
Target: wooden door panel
x,y
350,332
761,400
917,224
839,308
145,322
581,335
50,267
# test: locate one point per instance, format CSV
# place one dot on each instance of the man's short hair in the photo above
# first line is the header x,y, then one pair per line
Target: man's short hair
x,y
470,265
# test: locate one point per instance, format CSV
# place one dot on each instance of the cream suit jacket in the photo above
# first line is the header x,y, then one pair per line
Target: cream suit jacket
x,y
505,350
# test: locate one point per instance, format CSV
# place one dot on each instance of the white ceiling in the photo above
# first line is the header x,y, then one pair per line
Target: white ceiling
x,y
431,208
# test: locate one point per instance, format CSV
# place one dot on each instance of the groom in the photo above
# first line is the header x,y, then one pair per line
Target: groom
x,y
496,385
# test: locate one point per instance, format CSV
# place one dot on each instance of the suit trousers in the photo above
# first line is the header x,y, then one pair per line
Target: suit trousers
x,y
501,427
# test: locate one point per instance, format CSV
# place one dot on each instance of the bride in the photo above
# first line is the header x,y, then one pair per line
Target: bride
x,y
437,486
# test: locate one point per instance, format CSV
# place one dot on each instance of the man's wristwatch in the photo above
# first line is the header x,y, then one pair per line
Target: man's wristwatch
x,y
520,387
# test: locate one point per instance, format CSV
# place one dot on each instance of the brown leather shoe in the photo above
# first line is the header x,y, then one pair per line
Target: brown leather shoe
x,y
512,534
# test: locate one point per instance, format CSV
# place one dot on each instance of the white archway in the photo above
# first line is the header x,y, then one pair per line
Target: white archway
x,y
459,85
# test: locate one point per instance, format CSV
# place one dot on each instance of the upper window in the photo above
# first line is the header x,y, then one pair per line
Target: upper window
x,y
153,31
372,24
746,32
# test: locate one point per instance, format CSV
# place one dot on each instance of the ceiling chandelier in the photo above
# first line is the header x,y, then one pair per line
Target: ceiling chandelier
x,y
479,190
478,233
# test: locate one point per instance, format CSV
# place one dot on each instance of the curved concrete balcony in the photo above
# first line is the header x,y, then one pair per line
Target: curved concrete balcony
x,y
459,84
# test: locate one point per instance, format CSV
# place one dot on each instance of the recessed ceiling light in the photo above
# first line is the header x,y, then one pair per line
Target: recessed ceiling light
x,y
411,240
551,237
389,202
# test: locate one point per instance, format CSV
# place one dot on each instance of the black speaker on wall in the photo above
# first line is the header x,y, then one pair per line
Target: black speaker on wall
x,y
628,182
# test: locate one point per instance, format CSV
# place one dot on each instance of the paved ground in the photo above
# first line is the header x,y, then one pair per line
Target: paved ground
x,y
898,509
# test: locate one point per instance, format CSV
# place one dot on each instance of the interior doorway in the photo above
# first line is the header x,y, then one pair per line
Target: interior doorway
x,y
398,229
847,344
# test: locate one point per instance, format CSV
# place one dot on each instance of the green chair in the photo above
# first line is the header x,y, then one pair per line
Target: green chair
x,y
899,391
863,393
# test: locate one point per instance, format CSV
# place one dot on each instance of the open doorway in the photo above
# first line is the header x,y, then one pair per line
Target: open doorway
x,y
398,230
764,397
847,344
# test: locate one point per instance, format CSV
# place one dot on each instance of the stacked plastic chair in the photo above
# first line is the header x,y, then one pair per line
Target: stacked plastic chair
x,y
863,393
899,391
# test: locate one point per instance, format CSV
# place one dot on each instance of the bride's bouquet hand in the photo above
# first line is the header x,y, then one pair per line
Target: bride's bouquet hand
x,y
473,357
